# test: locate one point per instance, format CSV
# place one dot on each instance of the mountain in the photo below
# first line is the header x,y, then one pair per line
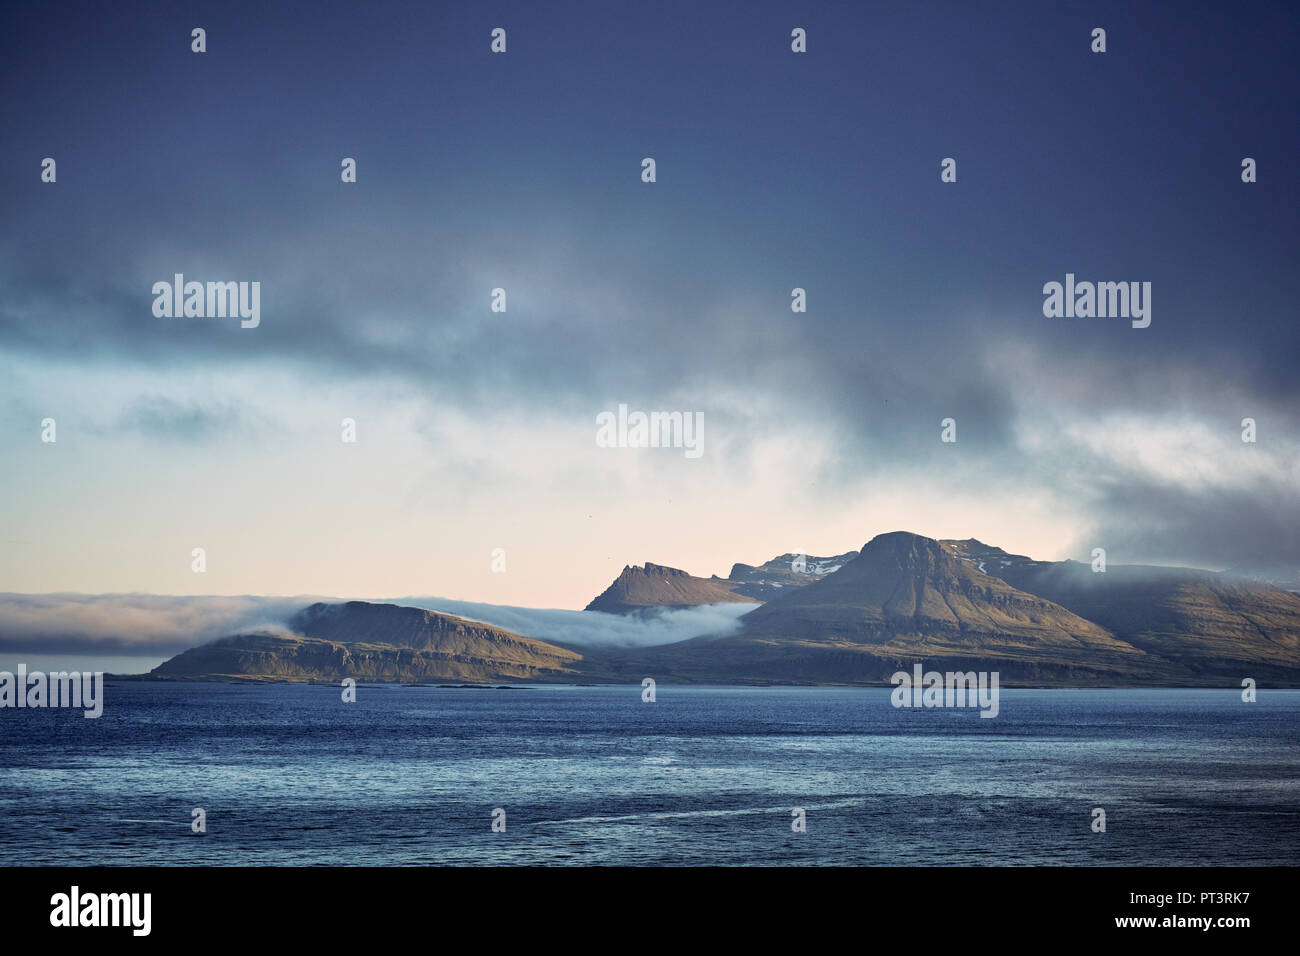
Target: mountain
x,y
654,585
766,581
1280,577
1205,621
951,605
376,642
906,598
986,558
903,599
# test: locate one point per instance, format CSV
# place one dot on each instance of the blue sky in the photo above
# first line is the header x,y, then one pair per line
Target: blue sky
x,y
522,171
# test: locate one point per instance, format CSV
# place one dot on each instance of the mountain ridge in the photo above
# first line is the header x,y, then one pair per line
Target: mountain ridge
x,y
904,598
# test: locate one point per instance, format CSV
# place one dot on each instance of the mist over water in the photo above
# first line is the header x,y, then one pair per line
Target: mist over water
x,y
155,626
657,625
133,633
288,774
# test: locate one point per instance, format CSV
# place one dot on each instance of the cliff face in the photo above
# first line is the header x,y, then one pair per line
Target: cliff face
x,y
654,585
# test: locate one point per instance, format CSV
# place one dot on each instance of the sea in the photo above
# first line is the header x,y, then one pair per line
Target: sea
x,y
290,774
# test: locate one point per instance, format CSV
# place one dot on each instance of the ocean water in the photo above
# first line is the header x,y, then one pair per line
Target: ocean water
x,y
289,774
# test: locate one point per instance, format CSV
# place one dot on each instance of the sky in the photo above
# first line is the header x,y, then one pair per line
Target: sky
x,y
476,430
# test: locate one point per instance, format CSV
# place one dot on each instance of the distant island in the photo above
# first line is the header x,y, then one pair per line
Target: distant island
x,y
850,619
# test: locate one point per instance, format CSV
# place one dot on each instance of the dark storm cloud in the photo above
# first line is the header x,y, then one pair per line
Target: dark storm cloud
x,y
822,173
1153,522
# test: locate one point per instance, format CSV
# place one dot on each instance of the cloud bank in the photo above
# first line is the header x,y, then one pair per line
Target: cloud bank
x,y
596,628
144,624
